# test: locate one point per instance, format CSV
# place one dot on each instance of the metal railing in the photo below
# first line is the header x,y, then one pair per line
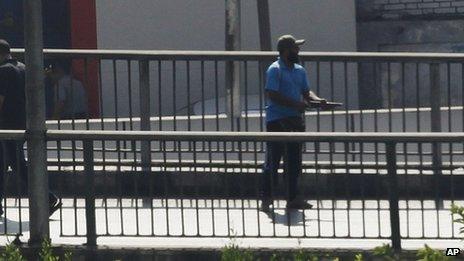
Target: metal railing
x,y
186,90
210,187
189,91
195,190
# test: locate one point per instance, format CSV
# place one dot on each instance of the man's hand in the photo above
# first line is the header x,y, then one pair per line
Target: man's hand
x,y
321,100
314,97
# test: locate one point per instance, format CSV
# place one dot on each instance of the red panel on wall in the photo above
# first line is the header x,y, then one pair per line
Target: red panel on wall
x,y
84,36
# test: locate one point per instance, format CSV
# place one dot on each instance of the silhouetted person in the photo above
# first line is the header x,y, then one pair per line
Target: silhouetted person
x,y
13,117
70,95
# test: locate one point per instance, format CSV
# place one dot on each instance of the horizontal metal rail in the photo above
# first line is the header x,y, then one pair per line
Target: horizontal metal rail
x,y
12,134
256,136
253,165
250,55
252,115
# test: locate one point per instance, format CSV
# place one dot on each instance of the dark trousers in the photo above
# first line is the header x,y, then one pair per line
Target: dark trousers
x,y
291,154
12,155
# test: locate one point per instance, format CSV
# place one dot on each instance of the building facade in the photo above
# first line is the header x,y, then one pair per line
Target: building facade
x,y
405,26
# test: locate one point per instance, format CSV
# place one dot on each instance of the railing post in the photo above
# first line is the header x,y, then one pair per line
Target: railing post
x,y
435,121
236,105
435,114
144,79
393,196
353,145
90,193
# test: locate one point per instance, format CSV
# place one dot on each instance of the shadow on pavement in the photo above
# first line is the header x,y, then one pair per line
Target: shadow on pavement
x,y
13,227
291,218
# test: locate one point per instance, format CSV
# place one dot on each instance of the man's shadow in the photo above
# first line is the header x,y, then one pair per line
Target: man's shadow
x,y
8,226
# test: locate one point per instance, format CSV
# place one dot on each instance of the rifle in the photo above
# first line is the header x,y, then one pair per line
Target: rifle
x,y
323,105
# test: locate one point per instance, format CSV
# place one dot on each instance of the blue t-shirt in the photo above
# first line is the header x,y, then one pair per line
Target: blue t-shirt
x,y
290,83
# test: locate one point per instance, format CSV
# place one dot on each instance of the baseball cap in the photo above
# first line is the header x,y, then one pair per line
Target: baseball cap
x,y
288,41
4,47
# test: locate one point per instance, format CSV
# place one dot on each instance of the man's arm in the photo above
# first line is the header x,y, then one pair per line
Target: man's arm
x,y
309,95
272,90
284,101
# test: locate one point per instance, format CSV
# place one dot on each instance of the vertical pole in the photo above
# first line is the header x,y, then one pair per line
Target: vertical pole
x,y
144,79
435,121
353,145
435,114
264,25
90,194
393,196
435,97
35,115
264,34
233,43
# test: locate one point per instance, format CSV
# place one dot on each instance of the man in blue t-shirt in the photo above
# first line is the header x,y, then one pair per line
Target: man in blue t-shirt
x,y
288,93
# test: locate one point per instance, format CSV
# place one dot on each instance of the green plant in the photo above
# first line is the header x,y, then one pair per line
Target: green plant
x,y
67,256
46,252
12,253
276,257
429,254
457,210
233,253
358,257
302,255
385,252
